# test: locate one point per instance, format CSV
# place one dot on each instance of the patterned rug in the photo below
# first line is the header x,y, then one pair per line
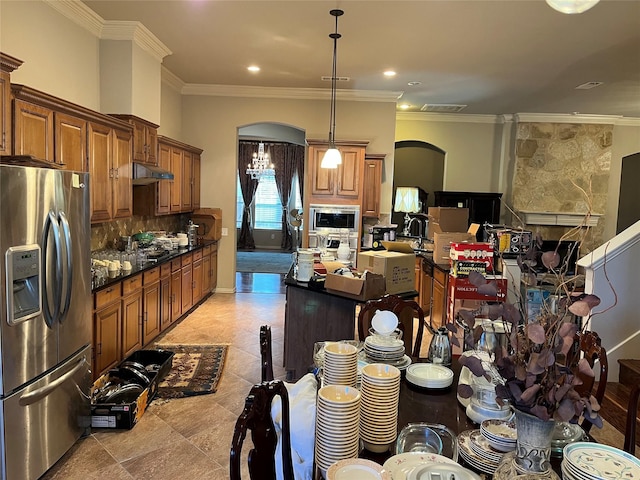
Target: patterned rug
x,y
263,262
196,370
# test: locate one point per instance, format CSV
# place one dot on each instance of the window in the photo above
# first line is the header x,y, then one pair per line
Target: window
x,y
266,209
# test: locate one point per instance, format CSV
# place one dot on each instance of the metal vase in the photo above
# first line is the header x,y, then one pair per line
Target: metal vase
x,y
534,443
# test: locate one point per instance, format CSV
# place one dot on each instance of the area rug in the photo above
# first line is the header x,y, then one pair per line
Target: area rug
x,y
263,262
196,370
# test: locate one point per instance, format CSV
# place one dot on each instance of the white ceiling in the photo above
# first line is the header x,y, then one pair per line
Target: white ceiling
x,y
496,57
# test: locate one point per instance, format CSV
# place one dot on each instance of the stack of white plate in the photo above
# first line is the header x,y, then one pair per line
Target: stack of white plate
x,y
429,375
594,461
469,452
379,407
337,425
340,364
501,434
384,348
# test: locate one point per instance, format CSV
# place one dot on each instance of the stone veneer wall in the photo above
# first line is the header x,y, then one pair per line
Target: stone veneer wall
x,y
104,235
550,159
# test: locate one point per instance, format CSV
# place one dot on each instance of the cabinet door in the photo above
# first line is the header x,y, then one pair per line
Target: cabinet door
x,y
131,323
349,173
33,127
425,292
175,185
5,113
101,172
195,184
321,178
151,135
71,142
163,204
206,274
198,273
418,279
438,306
106,322
151,315
186,181
176,295
214,267
139,142
122,186
187,288
371,185
165,302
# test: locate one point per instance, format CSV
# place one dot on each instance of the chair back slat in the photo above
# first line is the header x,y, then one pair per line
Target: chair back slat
x,y
266,356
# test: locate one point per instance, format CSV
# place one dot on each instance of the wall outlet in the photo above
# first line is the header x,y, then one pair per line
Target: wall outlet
x,y
273,236
225,232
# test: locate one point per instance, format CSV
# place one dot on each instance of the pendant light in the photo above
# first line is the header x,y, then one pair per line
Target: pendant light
x,y
572,6
332,157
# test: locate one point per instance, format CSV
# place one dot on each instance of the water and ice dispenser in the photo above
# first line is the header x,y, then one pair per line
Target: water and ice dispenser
x,y
23,280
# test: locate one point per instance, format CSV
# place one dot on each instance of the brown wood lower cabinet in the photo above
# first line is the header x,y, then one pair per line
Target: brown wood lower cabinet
x,y
131,322
176,294
439,297
165,296
151,304
187,283
107,322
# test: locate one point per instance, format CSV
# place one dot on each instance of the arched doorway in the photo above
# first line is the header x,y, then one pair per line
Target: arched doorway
x,y
628,212
417,164
264,242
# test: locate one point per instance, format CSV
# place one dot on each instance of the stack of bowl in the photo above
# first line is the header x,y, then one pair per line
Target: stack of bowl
x,y
340,364
337,420
379,410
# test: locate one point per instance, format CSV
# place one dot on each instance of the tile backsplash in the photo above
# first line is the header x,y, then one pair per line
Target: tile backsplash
x,y
104,235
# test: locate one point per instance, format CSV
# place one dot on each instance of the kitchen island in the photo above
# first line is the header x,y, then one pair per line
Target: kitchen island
x,y
315,315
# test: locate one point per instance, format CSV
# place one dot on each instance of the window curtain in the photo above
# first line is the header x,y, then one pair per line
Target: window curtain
x,y
286,159
248,186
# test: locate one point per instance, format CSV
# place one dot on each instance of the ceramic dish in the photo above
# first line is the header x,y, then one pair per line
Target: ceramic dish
x,y
357,469
429,472
600,461
400,466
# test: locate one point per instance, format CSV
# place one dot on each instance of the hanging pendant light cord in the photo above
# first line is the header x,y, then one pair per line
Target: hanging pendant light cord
x,y
332,122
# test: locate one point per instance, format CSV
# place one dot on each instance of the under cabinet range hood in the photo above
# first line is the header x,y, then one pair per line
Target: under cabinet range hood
x,y
146,174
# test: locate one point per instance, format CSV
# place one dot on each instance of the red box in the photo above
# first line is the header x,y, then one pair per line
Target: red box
x,y
460,288
473,252
461,268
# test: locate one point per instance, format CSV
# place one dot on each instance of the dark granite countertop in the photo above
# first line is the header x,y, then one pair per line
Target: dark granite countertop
x,y
171,255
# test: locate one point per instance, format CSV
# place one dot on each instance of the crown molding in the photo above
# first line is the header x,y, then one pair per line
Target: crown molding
x,y
566,118
79,13
288,93
138,33
447,117
629,122
171,79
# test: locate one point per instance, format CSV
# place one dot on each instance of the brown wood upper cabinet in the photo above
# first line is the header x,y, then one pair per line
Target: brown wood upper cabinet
x,y
371,185
340,184
7,65
33,130
145,139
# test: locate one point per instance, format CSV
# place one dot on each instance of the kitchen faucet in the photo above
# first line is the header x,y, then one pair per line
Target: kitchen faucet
x,y
420,229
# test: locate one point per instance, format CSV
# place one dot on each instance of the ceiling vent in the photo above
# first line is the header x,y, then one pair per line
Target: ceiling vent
x,y
442,108
327,78
588,85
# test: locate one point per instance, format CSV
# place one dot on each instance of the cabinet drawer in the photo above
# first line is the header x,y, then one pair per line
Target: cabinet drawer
x,y
186,259
108,295
175,265
439,276
197,255
131,284
165,269
151,276
206,250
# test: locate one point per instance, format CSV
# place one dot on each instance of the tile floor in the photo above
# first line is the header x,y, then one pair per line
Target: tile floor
x,y
190,437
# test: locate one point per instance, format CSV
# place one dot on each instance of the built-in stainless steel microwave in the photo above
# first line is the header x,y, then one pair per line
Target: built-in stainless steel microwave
x,y
332,218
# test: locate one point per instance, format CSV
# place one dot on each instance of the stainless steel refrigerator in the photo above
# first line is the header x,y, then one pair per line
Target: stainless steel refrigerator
x,y
45,327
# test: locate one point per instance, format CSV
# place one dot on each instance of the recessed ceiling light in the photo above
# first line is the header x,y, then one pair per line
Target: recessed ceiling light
x,y
253,69
389,73
404,106
413,84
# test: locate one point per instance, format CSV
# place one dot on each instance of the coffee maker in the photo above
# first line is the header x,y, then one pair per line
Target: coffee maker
x,y
382,233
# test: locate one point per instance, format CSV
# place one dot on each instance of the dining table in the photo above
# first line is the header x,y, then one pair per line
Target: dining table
x,y
434,406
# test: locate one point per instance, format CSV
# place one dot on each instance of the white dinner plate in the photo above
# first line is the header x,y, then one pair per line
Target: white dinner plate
x,y
401,465
357,469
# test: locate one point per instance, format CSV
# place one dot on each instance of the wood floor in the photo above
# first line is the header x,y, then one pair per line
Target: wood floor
x,y
190,438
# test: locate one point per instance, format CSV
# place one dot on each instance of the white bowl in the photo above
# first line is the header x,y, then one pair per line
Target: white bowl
x,y
384,322
183,242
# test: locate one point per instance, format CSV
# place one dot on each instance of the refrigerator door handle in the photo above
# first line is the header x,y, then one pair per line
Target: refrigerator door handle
x,y
32,397
66,235
51,223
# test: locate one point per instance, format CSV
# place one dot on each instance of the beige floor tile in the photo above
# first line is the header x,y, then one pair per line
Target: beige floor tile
x,y
84,459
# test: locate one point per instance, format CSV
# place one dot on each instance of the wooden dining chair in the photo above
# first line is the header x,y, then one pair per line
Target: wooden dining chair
x,y
266,357
406,310
632,414
589,344
256,416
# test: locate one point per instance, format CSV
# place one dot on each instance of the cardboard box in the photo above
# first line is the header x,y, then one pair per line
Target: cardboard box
x,y
370,286
442,244
461,268
398,267
449,219
126,415
475,252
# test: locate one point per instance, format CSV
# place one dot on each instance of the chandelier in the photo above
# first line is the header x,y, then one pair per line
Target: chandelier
x,y
260,165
